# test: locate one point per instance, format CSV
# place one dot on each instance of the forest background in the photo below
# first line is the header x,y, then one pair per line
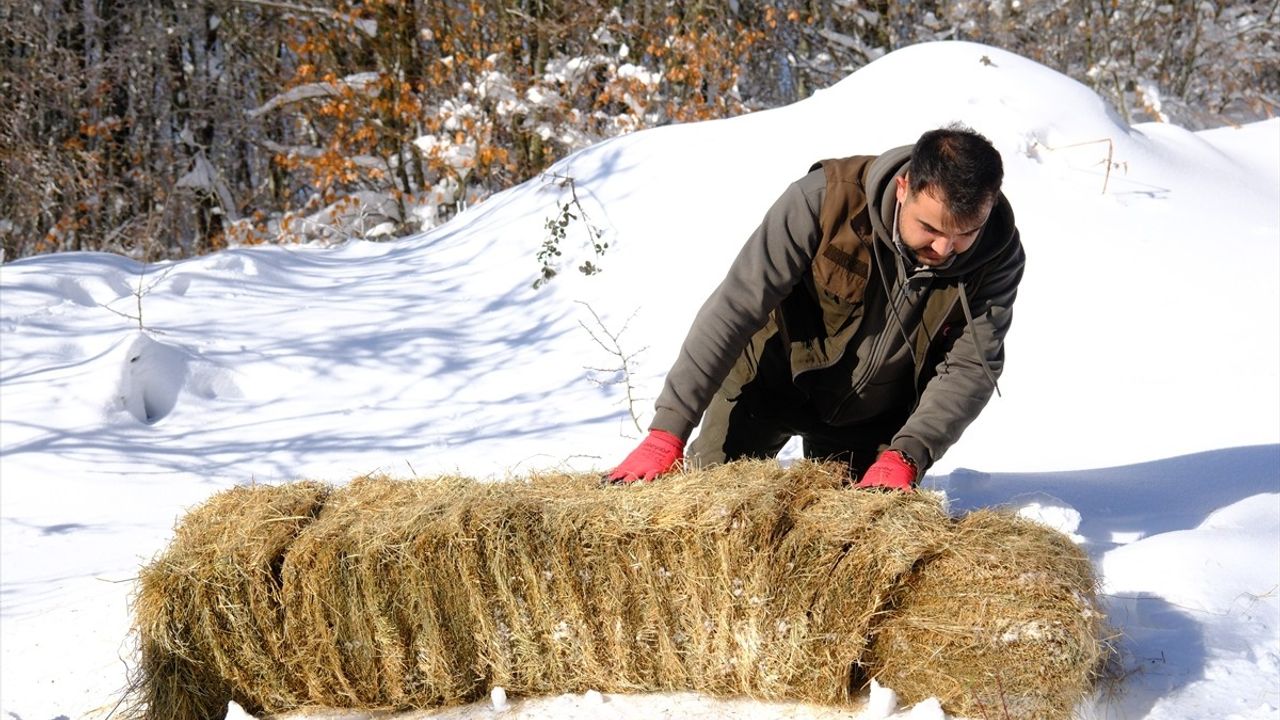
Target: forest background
x,y
169,128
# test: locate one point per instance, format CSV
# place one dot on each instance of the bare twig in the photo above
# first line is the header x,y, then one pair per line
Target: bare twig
x,y
614,348
982,707
1004,701
138,293
1111,148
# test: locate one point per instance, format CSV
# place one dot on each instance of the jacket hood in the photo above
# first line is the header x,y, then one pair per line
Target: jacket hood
x,y
879,183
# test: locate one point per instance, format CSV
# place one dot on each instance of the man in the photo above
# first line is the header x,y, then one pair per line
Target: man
x,y
866,314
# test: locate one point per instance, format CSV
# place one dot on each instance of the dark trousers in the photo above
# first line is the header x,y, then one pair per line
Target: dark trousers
x,y
763,417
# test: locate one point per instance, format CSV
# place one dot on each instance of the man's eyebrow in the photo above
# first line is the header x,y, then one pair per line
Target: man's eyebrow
x,y
931,228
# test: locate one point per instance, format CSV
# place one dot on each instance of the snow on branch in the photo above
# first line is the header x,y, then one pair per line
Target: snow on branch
x,y
368,27
364,83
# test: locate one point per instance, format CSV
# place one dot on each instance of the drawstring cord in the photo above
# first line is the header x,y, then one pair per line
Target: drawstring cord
x,y
973,330
888,291
964,305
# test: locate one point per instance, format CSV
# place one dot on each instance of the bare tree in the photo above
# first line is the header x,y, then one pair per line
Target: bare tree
x,y
166,128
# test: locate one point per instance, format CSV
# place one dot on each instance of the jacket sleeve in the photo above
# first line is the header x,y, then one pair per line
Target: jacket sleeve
x,y
960,388
772,261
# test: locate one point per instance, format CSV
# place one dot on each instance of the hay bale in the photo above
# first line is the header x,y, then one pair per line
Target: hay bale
x,y
743,579
427,593
207,611
1002,622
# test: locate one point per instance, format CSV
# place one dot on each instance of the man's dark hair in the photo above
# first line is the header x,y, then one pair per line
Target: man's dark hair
x,y
959,167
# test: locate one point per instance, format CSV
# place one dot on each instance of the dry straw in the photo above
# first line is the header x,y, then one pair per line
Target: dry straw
x,y
745,579
1002,622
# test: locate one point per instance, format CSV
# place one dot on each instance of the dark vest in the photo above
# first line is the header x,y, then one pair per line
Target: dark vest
x,y
820,318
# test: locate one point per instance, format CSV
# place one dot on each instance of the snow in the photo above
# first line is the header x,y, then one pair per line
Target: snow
x,y
364,82
498,696
881,702
1141,408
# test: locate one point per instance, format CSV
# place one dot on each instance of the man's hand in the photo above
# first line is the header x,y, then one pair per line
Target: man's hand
x,y
657,454
891,471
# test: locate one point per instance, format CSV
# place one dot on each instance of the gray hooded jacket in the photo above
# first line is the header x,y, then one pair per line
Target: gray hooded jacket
x,y
873,336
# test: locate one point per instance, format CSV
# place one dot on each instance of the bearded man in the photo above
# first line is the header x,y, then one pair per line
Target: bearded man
x,y
867,315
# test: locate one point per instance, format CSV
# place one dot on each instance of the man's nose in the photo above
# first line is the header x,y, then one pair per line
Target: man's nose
x,y
944,245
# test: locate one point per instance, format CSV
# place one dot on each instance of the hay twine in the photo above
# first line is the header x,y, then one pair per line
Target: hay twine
x,y
745,579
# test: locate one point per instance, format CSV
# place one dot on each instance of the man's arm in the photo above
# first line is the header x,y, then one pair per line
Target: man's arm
x,y
772,261
960,390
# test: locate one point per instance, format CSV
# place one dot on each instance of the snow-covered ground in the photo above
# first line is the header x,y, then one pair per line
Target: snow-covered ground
x,y
1141,407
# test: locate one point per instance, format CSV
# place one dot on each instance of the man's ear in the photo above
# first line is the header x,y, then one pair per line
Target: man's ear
x,y
903,186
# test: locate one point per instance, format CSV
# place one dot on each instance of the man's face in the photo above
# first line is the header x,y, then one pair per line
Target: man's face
x,y
928,228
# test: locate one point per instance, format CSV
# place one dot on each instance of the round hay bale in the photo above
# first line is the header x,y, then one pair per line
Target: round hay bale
x,y
1002,621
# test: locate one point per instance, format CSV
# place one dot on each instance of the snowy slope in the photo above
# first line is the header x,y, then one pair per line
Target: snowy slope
x,y
1141,406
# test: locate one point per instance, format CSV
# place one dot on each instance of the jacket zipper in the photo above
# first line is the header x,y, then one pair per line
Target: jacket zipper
x,y
879,346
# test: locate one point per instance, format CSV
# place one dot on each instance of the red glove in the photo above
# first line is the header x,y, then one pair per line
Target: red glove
x,y
657,454
891,471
